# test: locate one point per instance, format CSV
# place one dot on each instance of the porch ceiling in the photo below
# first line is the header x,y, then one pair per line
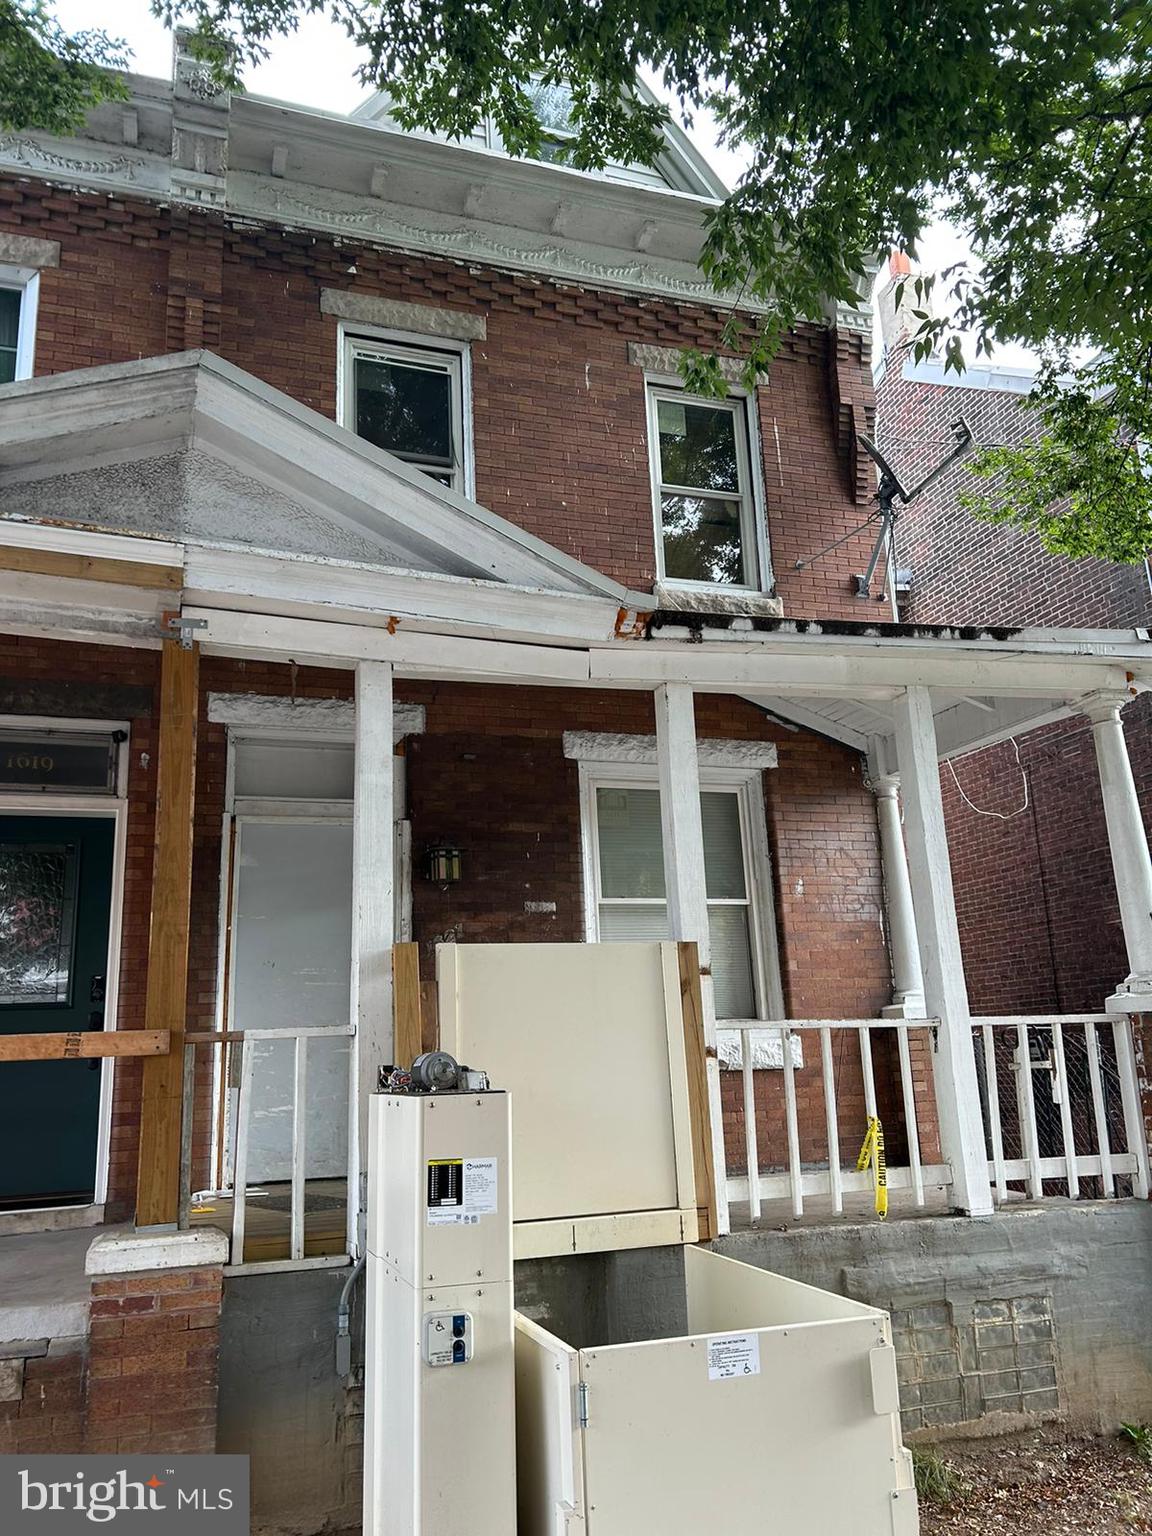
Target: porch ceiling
x,y
964,723
189,447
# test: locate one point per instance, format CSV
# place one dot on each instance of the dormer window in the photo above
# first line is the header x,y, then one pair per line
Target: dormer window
x,y
553,106
410,400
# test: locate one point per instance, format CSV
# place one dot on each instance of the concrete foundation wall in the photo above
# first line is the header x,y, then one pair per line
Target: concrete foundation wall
x,y
1031,1313
282,1403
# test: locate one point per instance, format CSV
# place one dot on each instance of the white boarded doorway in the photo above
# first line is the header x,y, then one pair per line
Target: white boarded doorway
x,y
288,944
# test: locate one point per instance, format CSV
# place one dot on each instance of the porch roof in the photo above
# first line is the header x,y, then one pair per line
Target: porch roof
x,y
188,446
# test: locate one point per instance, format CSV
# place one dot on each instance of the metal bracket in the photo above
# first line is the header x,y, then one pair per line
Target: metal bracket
x,y
183,629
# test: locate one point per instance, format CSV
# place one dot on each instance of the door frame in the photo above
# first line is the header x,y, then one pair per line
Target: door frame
x,y
30,803
314,727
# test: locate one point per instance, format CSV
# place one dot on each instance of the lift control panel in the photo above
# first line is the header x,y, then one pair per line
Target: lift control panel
x,y
447,1338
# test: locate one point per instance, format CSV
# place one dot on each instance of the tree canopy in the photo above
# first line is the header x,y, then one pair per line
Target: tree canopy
x,y
1025,123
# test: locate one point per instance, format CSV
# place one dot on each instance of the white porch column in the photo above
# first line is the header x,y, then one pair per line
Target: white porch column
x,y
684,880
907,981
945,990
1129,848
372,920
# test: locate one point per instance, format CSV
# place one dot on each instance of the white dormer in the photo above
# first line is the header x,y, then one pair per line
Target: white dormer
x,y
680,167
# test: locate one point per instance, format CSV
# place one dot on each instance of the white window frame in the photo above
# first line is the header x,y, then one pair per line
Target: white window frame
x,y
26,282
748,786
749,459
375,341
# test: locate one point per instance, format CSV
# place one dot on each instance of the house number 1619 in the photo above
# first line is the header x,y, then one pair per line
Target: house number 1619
x,y
26,761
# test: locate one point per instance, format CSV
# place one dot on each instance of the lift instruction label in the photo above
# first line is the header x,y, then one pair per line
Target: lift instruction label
x,y
462,1189
732,1355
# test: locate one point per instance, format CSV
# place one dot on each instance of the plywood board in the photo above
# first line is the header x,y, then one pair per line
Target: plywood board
x,y
588,1038
64,1045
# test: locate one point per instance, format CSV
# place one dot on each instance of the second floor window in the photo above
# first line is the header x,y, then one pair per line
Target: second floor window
x,y
702,487
409,400
18,293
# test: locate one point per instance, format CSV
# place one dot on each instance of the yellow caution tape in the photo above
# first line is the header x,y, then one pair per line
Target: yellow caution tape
x,y
872,1152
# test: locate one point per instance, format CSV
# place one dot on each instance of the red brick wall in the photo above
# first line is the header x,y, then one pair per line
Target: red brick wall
x,y
154,1341
48,1413
1035,895
560,424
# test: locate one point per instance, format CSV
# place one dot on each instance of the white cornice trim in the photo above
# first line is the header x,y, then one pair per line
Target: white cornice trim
x,y
395,315
612,747
305,206
304,717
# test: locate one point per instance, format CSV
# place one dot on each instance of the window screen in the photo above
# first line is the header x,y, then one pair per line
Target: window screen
x,y
631,899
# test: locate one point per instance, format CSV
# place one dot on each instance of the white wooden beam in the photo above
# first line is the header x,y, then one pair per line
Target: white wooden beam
x,y
684,882
849,668
945,989
372,920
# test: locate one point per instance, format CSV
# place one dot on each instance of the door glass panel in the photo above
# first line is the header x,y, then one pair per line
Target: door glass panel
x,y
37,923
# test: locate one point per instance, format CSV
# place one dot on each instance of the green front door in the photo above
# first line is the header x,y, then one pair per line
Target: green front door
x,y
55,904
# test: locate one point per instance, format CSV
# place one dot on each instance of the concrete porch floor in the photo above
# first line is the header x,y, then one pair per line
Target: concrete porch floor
x,y
43,1288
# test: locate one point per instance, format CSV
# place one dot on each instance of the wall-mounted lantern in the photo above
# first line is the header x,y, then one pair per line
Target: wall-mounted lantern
x,y
443,864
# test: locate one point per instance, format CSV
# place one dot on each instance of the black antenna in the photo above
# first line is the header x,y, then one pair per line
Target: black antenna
x,y
890,490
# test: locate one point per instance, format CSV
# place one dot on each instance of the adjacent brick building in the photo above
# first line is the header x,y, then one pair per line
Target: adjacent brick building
x,y
1033,877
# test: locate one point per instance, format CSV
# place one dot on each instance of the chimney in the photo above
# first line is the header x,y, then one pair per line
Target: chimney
x,y
896,325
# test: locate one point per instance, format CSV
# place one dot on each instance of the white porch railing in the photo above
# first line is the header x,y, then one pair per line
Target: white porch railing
x,y
242,1065
1061,1104
792,1175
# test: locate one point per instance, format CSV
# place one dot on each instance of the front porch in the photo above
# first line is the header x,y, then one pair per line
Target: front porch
x,y
402,718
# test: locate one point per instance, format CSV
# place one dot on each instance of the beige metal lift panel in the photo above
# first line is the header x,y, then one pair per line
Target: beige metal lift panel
x,y
589,1039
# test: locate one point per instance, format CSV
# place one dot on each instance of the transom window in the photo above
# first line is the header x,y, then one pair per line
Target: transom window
x,y
702,486
627,900
409,399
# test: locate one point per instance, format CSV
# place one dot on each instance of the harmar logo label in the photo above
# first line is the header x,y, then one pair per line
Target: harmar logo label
x,y
162,1495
